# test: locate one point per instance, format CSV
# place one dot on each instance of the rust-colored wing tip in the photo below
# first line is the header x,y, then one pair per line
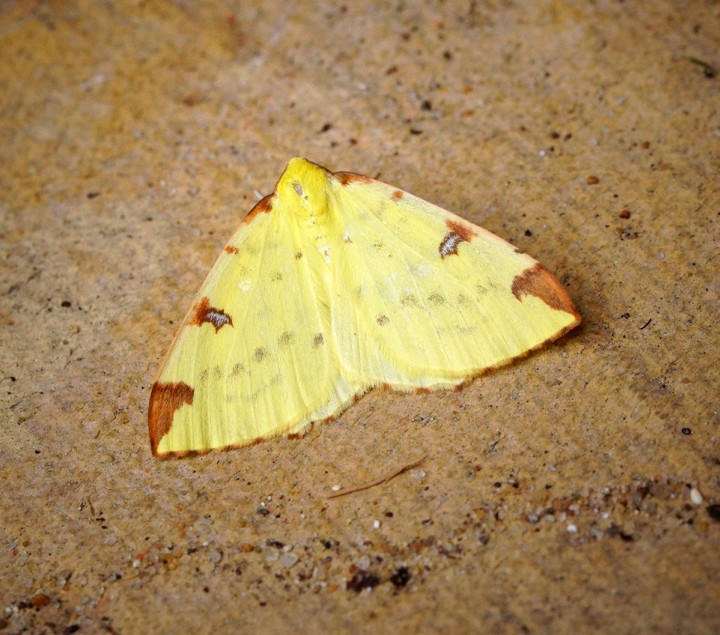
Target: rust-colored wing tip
x,y
538,281
165,399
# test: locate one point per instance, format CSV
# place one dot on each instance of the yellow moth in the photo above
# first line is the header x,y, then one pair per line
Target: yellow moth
x,y
336,283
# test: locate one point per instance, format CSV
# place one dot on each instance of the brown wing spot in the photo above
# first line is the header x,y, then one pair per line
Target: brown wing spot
x,y
260,354
436,298
237,369
423,391
298,255
382,320
346,178
538,281
458,233
276,277
165,399
231,249
318,340
206,313
397,195
286,338
409,299
263,206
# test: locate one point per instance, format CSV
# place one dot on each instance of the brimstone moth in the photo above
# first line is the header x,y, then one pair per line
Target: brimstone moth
x,y
336,283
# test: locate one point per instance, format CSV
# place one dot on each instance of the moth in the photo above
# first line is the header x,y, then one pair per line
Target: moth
x,y
334,284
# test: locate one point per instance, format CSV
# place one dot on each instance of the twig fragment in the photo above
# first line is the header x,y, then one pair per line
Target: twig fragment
x,y
378,481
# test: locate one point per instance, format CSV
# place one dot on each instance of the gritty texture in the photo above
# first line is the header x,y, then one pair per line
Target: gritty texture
x,y
575,491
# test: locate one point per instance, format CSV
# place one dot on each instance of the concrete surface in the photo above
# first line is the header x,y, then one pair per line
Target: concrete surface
x,y
576,491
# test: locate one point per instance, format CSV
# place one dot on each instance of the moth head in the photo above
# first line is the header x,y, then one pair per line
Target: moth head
x,y
304,188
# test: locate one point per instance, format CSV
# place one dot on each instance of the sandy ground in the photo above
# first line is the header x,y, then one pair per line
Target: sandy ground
x,y
576,491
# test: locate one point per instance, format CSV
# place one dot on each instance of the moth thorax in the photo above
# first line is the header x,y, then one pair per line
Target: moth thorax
x,y
312,206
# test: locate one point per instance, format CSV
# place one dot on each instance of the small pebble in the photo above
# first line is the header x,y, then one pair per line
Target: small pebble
x,y
362,563
401,577
39,600
572,529
362,580
696,496
335,488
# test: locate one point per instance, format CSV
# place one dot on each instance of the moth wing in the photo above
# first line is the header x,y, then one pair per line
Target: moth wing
x,y
424,298
253,358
